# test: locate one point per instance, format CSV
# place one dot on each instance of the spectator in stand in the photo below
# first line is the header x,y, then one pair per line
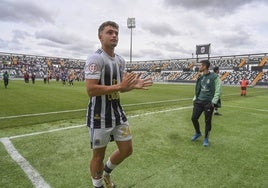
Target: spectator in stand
x,y
6,78
218,105
244,85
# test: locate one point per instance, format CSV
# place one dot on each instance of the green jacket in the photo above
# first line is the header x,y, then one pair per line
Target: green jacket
x,y
208,88
6,76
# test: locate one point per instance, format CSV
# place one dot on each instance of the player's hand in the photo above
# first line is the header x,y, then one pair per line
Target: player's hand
x,y
142,83
127,81
133,81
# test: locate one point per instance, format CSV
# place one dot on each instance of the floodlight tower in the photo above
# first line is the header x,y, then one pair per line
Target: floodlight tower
x,y
131,25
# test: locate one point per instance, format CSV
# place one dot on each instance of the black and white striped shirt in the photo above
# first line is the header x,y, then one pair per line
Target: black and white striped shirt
x,y
105,111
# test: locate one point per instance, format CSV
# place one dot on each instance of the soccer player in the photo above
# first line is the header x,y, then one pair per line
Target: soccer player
x,y
33,77
105,78
207,93
244,84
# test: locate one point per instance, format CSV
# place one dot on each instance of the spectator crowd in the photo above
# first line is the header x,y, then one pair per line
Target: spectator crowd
x,y
29,66
232,68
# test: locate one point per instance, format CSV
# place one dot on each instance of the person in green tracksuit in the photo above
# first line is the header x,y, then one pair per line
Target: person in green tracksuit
x,y
5,78
207,94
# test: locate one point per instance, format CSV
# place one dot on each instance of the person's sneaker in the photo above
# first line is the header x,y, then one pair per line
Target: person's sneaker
x,y
108,181
196,136
205,142
217,114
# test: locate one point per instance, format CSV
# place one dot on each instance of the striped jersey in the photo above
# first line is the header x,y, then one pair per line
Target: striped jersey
x,y
105,111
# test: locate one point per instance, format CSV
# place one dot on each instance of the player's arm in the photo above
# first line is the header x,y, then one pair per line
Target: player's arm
x,y
217,93
130,81
95,89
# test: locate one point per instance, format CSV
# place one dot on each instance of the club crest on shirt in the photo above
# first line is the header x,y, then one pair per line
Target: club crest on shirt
x,y
92,68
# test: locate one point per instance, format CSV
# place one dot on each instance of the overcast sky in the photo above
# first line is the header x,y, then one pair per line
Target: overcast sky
x,y
165,29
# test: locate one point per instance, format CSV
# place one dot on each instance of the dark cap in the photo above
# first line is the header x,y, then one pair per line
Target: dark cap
x,y
206,63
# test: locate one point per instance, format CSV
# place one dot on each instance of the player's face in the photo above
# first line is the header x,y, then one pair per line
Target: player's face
x,y
109,36
202,67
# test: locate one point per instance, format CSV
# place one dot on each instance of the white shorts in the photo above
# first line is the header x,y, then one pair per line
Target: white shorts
x,y
101,137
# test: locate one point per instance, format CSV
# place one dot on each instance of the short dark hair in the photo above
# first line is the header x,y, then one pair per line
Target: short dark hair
x,y
216,69
206,63
107,23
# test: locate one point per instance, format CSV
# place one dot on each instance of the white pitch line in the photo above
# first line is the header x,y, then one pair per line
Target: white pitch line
x,y
161,111
40,114
134,104
78,126
67,111
33,175
49,131
175,100
126,105
36,179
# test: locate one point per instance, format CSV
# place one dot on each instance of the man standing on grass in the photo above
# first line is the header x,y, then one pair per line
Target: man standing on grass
x,y
207,93
105,78
6,78
244,84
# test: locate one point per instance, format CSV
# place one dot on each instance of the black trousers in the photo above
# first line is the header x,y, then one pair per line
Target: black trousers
x,y
198,109
5,82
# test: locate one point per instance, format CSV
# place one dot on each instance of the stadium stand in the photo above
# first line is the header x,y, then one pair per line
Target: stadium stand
x,y
19,64
253,67
232,69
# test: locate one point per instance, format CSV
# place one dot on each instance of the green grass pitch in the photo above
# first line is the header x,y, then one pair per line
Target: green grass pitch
x,y
46,125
